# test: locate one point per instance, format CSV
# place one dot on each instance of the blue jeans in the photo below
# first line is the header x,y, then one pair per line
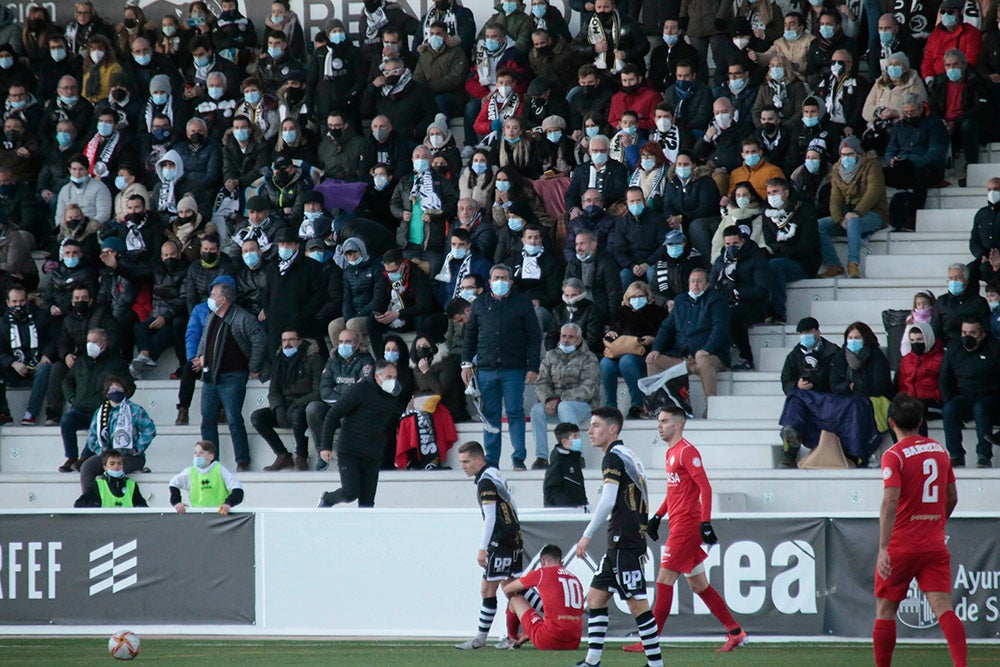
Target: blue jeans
x,y
783,271
73,420
857,229
961,409
38,381
631,367
628,277
228,393
447,103
153,340
572,412
503,390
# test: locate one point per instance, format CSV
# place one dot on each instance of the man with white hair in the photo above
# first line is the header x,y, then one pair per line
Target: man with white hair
x,y
568,388
202,156
601,173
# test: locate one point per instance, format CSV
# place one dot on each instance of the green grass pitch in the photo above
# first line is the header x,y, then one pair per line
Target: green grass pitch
x,y
74,652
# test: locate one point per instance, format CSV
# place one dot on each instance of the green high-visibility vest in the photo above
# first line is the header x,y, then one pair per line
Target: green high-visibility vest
x,y
109,499
207,490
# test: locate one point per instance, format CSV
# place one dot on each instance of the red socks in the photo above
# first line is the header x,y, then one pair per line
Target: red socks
x,y
513,624
661,607
954,632
718,607
884,641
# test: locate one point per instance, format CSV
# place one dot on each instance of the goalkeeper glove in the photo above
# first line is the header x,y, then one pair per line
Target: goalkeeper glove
x,y
708,533
653,527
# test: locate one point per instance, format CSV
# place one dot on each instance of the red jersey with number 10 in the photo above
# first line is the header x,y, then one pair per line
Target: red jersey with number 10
x,y
562,598
689,494
920,467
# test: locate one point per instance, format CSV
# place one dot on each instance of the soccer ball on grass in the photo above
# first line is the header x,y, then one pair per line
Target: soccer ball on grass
x,y
123,645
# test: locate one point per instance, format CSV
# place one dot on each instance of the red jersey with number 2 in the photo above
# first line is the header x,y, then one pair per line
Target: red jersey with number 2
x,y
920,467
689,494
562,598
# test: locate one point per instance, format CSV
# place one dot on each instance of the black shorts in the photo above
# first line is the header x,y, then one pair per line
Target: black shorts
x,y
503,563
623,571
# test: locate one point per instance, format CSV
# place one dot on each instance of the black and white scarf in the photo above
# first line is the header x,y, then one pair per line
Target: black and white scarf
x,y
133,238
596,32
422,191
404,80
201,73
374,22
121,435
530,268
257,234
486,60
652,184
447,17
497,109
464,268
285,264
16,344
779,95
669,140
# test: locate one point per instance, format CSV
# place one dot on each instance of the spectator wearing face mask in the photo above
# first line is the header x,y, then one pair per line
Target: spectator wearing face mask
x,y
385,146
201,155
336,74
970,391
961,303
920,369
294,292
27,348
340,150
563,483
984,242
436,371
407,103
286,187
276,62
167,321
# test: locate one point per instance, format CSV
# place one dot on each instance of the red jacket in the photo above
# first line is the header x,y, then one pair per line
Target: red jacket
x,y
643,102
483,124
966,38
918,374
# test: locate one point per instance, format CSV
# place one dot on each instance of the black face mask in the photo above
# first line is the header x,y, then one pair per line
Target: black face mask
x,y
918,348
82,307
282,177
544,50
604,16
197,138
130,23
335,134
73,223
392,80
915,121
628,90
969,342
171,264
119,95
210,257
425,353
230,16
295,95
442,5
19,312
588,91
769,129
185,219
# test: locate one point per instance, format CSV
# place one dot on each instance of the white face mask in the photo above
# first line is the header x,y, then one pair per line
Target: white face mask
x,y
663,124
741,42
93,350
993,196
775,201
724,120
436,140
389,385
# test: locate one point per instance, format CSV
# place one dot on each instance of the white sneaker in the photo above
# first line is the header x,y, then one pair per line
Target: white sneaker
x,y
471,644
505,644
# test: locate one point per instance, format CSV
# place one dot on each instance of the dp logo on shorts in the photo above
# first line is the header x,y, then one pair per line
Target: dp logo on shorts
x,y
915,612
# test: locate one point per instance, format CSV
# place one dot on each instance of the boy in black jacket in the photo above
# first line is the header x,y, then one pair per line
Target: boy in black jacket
x,y
563,485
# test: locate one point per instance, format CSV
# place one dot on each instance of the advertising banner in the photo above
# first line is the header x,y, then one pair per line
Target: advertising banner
x,y
93,569
771,573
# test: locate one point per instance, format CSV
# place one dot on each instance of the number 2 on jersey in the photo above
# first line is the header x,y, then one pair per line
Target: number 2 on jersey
x,y
572,592
930,494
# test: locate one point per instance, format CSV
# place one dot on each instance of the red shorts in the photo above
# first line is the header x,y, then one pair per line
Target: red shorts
x,y
682,552
550,636
932,570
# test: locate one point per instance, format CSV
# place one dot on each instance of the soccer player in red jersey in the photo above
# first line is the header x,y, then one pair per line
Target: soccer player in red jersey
x,y
688,507
562,599
919,496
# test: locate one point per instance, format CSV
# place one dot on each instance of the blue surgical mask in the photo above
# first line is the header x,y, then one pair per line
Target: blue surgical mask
x,y
826,31
742,202
810,121
345,350
216,92
105,129
63,138
289,136
807,341
675,250
355,262
503,186
468,295
683,173
242,135
289,352
636,209
252,96
592,131
168,173
554,136
392,356
421,165
599,159
670,40
647,163
848,162
885,36
500,287
199,462
338,37
737,85
508,7
317,256
638,302
954,74
212,304
159,99
201,62
532,249
58,55
120,183
395,276
791,35
252,259
994,305
275,51
948,20
68,100
894,71
515,224
491,44
854,345
539,10
479,168
778,73
71,262
459,253
436,42
630,131
752,160
144,59
117,474
7,62
285,253
812,165
567,349
512,140
956,287
694,296
576,445
18,104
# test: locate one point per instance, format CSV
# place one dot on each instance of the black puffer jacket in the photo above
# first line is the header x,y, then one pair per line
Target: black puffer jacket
x,y
295,379
636,239
949,311
199,279
62,282
750,278
503,333
168,302
971,374
359,286
871,379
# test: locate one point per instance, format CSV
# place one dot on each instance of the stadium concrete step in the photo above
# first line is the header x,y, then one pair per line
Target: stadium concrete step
x,y
955,244
811,492
917,266
956,197
952,220
869,311
978,175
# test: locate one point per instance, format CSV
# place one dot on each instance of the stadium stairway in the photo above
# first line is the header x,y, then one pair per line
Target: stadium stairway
x,y
739,440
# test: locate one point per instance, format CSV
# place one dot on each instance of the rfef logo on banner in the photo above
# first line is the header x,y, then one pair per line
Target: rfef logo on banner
x,y
113,567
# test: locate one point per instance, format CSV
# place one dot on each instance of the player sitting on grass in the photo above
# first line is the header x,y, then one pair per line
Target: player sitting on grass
x,y
208,482
561,596
113,488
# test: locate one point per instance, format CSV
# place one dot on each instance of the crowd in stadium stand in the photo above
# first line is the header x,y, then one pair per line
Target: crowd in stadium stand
x,y
624,197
